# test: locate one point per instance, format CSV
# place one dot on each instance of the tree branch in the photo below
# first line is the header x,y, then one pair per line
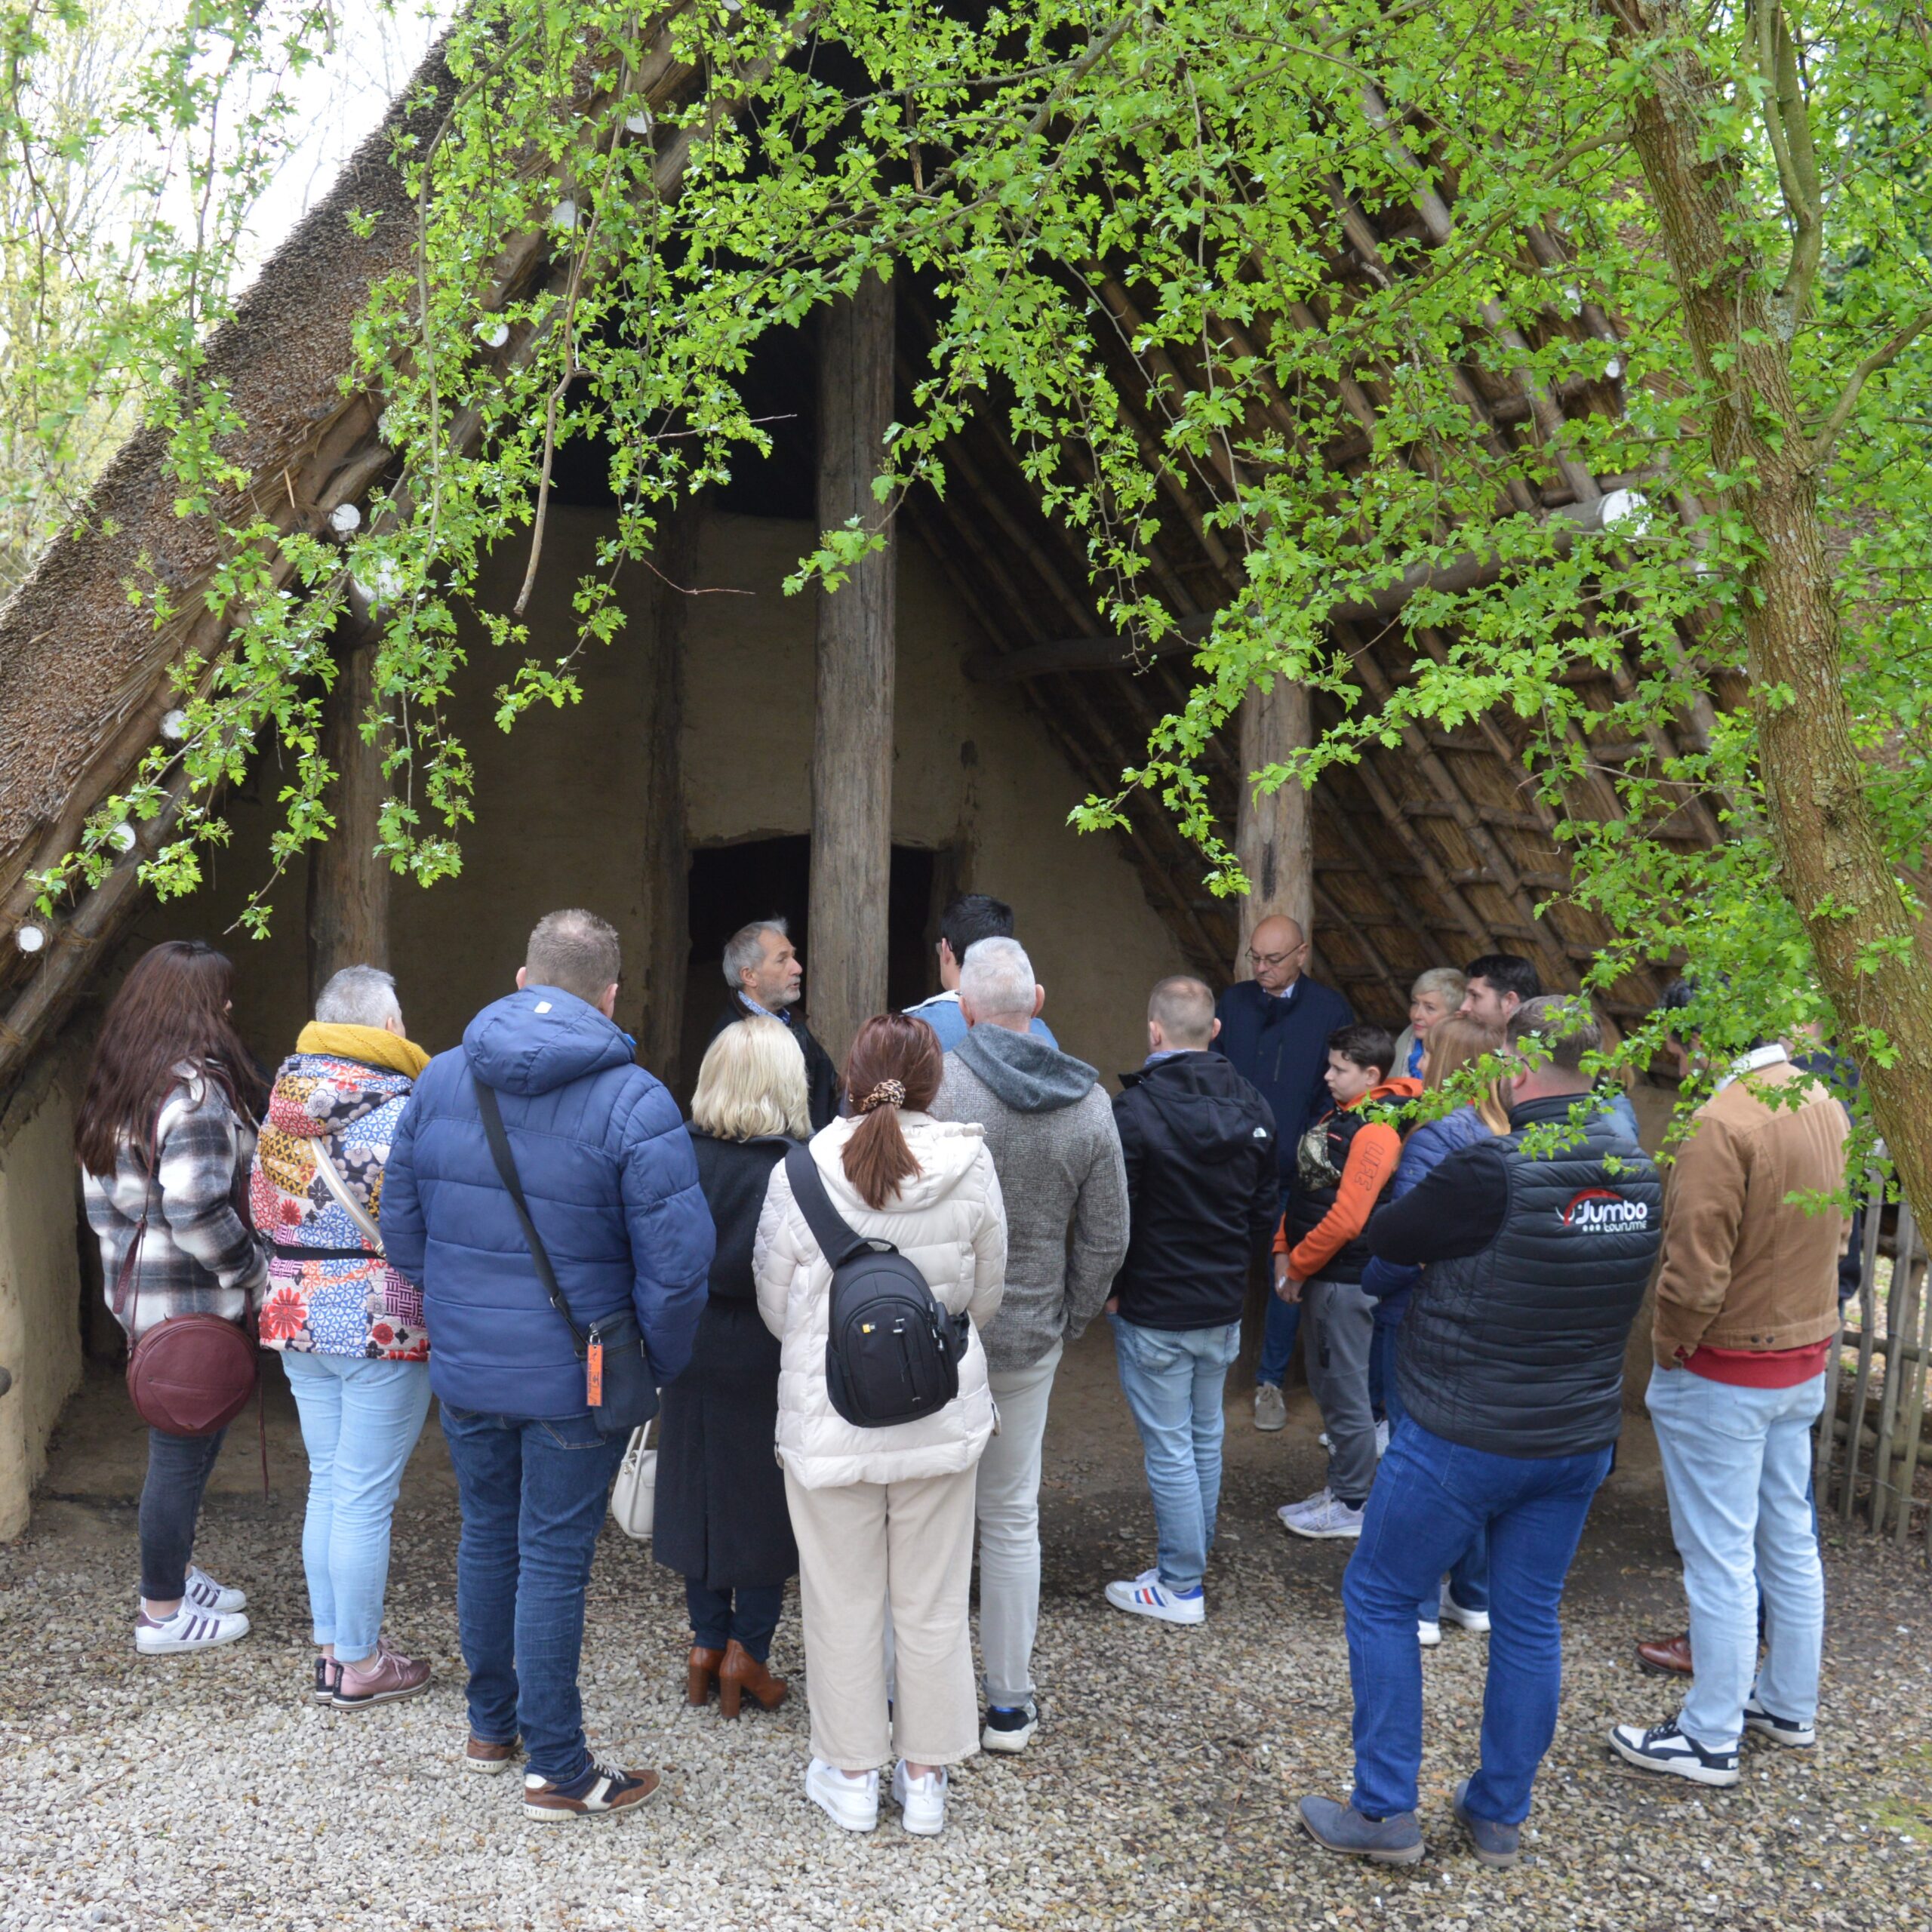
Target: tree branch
x,y
1882,357
1787,121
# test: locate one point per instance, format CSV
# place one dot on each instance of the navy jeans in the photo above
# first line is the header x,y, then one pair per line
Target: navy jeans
x,y
1279,1327
178,1470
1429,1499
534,1495
747,1615
1468,1575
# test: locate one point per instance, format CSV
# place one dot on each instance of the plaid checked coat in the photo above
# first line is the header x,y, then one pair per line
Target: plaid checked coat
x,y
199,1254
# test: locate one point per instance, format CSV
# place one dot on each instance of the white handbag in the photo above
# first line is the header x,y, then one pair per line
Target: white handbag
x,y
634,1495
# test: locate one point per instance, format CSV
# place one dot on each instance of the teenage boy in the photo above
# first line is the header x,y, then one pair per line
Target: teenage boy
x,y
1202,1192
1343,1168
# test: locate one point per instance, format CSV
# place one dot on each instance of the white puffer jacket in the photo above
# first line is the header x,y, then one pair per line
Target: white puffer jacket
x,y
948,1221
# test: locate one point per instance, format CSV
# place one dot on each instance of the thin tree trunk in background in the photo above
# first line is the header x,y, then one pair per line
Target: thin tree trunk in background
x,y
1274,835
349,886
851,860
665,897
1871,955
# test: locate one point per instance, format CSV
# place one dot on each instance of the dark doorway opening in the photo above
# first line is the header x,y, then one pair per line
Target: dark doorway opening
x,y
764,878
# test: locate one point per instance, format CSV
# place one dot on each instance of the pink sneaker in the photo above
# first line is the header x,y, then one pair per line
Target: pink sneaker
x,y
381,1679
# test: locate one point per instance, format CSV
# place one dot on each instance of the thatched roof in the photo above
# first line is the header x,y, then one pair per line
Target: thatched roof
x,y
1425,854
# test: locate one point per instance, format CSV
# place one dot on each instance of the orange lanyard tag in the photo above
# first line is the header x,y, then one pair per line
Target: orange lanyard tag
x,y
593,1368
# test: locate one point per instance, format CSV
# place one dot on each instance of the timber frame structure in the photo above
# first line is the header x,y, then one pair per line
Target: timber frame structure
x,y
1420,855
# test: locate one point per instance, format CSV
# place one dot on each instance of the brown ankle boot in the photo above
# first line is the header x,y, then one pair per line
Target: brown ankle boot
x,y
741,1672
700,1673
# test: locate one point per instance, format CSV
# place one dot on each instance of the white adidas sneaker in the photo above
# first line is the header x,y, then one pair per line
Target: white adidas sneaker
x,y
188,1629
1146,1595
204,1593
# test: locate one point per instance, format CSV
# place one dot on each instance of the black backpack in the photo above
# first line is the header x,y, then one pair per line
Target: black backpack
x,y
892,1353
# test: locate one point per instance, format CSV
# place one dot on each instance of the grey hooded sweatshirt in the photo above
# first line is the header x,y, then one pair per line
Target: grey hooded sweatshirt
x,y
1049,1127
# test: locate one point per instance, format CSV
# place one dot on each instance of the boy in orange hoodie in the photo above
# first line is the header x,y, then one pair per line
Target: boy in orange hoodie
x,y
1343,1168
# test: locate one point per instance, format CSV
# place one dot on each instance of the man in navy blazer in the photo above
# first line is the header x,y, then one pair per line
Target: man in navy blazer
x,y
612,1189
1274,1027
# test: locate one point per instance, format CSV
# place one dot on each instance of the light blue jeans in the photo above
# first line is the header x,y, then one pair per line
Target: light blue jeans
x,y
1737,1465
1173,1379
360,1421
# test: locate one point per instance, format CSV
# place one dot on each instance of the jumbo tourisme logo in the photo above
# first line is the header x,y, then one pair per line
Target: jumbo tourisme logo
x,y
1600,1210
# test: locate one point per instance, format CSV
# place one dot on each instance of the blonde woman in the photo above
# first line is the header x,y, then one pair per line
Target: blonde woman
x,y
1434,996
1454,1042
721,1519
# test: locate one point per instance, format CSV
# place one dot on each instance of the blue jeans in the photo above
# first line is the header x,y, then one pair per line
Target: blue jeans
x,y
748,1614
1429,1499
360,1421
1468,1575
1279,1327
1737,1465
178,1470
533,1496
1173,1379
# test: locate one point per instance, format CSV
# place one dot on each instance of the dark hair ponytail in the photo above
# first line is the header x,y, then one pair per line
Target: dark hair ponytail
x,y
895,1063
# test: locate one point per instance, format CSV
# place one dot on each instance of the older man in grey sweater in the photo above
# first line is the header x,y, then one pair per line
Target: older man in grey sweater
x,y
1049,1127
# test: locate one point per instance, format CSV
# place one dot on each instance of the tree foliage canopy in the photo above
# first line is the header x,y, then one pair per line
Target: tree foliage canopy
x,y
1203,155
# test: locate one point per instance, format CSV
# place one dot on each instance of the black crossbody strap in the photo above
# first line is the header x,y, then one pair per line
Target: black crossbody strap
x,y
499,1152
836,1240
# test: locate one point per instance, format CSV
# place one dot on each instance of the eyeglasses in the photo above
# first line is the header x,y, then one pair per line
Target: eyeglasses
x,y
1258,960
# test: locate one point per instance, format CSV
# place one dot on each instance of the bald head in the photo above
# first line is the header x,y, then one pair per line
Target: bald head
x,y
1276,952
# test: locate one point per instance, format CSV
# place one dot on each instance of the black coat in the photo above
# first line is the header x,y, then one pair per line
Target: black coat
x,y
720,1513
1202,1190
821,1076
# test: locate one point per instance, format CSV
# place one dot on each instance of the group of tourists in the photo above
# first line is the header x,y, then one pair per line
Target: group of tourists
x,y
850,1291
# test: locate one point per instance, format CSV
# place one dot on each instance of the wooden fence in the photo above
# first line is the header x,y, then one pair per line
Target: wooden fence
x,y
1873,1437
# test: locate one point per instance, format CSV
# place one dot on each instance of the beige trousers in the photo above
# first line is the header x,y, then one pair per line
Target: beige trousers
x,y
860,1548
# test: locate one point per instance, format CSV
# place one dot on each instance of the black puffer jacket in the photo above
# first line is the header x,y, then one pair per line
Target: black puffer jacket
x,y
1201,1189
1534,1270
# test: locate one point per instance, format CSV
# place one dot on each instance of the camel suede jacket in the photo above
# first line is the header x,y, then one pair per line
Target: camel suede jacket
x,y
1743,1267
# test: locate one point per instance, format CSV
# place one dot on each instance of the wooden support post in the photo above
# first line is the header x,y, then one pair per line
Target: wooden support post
x,y
349,886
1274,835
665,901
852,731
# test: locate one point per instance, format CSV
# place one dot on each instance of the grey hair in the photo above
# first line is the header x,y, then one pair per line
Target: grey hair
x,y
745,949
1561,1029
1444,979
358,996
996,977
575,950
1185,1007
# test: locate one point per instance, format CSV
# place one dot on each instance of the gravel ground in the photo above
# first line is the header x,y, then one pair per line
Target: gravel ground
x,y
208,1792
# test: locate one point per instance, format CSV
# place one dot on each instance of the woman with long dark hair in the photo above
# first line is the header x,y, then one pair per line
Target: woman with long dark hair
x,y
884,1517
164,1137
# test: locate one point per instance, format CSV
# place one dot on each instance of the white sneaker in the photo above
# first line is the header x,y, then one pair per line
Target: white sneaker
x,y
1271,1408
852,1803
204,1593
1322,1439
188,1629
1308,1502
1381,1440
1452,1612
1428,1635
1146,1595
922,1801
1328,1518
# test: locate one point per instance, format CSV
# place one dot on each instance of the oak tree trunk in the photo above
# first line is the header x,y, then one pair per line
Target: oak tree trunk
x,y
349,885
1274,835
851,861
1871,958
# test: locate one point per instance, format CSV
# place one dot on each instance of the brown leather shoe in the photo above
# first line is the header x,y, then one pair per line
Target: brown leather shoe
x,y
741,1672
700,1674
1669,1657
479,1754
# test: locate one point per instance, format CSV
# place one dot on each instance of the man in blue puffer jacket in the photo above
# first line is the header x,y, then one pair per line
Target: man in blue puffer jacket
x,y
612,1188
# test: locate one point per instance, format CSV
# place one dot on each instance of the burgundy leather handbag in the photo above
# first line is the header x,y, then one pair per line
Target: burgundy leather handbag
x,y
191,1374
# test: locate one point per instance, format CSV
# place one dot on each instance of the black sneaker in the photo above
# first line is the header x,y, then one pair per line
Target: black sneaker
x,y
1009,1730
1666,1748
1780,1730
328,1678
